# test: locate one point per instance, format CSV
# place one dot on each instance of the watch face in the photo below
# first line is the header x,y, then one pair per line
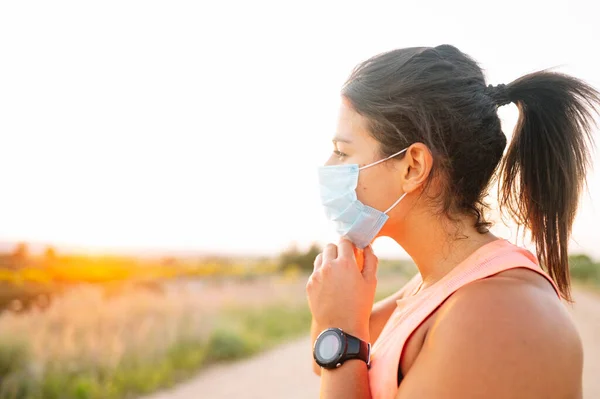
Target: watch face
x,y
329,347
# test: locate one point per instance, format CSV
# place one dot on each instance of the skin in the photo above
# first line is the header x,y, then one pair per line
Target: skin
x,y
507,336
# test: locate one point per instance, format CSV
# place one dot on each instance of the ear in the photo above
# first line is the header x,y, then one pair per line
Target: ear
x,y
416,167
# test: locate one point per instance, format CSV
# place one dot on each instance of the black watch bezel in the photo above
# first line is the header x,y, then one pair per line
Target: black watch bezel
x,y
350,348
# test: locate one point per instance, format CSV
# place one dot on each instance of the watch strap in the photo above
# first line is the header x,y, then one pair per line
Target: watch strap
x,y
358,349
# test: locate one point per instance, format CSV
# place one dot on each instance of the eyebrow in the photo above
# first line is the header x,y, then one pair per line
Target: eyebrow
x,y
341,140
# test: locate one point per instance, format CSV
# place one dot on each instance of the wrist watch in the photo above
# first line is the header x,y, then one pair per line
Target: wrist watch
x,y
333,347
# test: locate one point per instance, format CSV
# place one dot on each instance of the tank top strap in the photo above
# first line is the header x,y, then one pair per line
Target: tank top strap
x,y
505,256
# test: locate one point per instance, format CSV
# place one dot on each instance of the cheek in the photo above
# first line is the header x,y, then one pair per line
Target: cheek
x,y
376,190
368,189
362,192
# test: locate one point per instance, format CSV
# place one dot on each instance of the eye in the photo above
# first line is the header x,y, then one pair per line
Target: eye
x,y
339,154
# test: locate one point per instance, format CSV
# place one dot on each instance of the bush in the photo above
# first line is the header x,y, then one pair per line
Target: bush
x,y
254,330
14,384
225,344
293,258
584,269
276,323
13,358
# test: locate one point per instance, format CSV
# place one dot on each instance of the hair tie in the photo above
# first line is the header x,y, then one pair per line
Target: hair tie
x,y
500,94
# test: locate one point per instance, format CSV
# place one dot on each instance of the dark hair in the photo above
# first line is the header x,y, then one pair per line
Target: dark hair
x,y
438,96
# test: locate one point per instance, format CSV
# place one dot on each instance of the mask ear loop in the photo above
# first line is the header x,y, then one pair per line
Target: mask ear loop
x,y
395,203
383,160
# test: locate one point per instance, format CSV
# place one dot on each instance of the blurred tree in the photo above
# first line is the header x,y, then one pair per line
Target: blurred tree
x,y
294,258
19,256
49,259
309,257
288,257
50,254
21,251
583,268
168,261
580,259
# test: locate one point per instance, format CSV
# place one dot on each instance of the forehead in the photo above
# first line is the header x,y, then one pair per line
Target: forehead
x,y
351,126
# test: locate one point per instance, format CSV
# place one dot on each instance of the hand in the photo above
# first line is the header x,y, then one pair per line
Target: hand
x,y
339,293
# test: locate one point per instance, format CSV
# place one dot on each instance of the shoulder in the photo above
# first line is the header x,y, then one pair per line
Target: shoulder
x,y
506,334
520,296
520,301
507,307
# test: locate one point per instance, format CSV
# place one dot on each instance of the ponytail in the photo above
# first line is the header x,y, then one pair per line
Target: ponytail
x,y
544,169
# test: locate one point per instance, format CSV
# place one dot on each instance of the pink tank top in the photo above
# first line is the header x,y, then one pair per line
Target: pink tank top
x,y
490,259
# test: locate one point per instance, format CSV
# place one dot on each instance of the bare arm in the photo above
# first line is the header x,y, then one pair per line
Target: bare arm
x,y
379,316
351,381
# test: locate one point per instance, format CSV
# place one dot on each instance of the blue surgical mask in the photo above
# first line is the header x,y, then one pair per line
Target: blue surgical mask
x,y
352,219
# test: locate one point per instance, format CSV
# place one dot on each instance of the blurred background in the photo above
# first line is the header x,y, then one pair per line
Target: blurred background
x,y
159,212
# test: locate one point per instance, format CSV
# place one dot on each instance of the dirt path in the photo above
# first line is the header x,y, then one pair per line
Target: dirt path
x,y
284,373
586,314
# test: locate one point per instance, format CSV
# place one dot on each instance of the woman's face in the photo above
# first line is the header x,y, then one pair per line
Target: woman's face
x,y
378,186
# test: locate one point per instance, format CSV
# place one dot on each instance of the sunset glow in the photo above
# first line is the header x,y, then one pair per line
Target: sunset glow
x,y
164,138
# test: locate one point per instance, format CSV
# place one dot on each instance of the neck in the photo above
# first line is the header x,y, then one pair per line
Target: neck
x,y
437,245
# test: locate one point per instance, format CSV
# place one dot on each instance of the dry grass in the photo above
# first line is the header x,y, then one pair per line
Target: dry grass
x,y
85,331
92,345
86,326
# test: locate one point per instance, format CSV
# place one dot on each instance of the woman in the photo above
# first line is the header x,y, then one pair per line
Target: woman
x,y
418,145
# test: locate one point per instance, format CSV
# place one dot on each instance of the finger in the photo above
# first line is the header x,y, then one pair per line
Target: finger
x,y
345,249
329,253
370,267
318,262
360,258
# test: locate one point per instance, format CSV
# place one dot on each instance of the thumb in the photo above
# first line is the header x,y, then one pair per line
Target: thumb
x,y
370,263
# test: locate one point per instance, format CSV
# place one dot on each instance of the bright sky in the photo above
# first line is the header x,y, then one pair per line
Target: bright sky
x,y
199,125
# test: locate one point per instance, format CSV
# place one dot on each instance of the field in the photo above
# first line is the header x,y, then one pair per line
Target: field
x,y
90,331
87,345
122,338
